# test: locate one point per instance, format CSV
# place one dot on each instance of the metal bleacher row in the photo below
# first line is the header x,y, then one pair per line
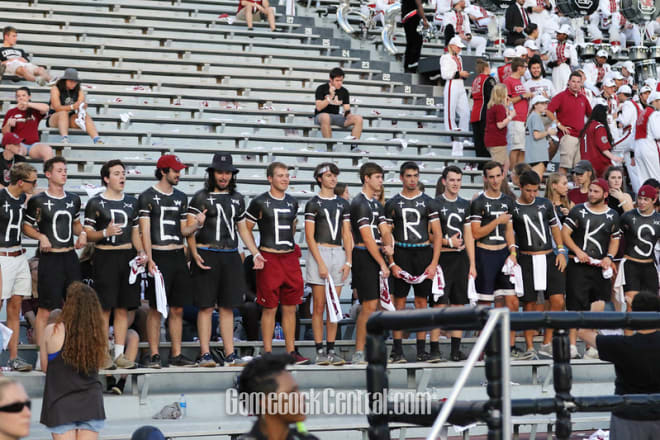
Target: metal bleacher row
x,y
178,76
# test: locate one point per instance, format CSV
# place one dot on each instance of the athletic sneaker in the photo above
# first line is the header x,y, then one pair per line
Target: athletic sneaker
x,y
531,354
335,359
436,357
181,361
298,358
42,82
321,357
122,362
154,362
234,360
358,358
18,364
108,364
423,357
519,355
115,387
397,358
206,361
546,350
591,353
458,356
575,354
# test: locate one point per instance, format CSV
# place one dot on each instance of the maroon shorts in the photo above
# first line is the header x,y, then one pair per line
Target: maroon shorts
x,y
280,281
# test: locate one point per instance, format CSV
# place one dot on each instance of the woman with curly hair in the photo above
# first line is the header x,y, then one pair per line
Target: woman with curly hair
x,y
74,349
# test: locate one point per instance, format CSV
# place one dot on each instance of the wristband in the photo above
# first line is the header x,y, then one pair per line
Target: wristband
x,y
610,256
512,246
83,232
105,233
258,254
391,264
71,106
348,264
513,254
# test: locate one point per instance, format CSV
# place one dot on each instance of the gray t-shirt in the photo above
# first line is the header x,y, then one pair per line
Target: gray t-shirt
x,y
535,150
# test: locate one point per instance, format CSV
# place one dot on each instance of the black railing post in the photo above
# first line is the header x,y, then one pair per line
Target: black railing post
x,y
493,360
563,379
377,385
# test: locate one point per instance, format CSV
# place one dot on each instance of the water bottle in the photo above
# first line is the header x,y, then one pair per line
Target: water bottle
x,y
279,333
183,405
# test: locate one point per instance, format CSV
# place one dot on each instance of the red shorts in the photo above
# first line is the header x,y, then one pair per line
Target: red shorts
x,y
280,281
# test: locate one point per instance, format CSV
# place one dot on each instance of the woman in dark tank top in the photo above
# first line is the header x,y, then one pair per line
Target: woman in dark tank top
x,y
74,349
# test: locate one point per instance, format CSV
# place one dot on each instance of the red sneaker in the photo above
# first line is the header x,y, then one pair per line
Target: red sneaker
x,y
298,358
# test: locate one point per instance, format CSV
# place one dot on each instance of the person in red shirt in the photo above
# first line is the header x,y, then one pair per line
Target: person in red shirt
x,y
583,175
568,109
518,96
596,141
497,120
23,120
482,87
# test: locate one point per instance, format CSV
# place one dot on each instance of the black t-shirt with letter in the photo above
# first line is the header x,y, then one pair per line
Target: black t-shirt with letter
x,y
275,218
485,209
640,233
224,211
9,53
328,216
366,213
411,217
532,223
454,215
592,231
54,217
341,94
166,212
100,211
11,219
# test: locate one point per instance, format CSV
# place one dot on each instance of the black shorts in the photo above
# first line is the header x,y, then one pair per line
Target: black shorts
x,y
222,285
491,282
366,275
555,280
456,270
176,275
414,261
585,284
640,277
56,272
111,273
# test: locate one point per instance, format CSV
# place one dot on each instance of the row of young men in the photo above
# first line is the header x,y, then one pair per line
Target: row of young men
x,y
408,238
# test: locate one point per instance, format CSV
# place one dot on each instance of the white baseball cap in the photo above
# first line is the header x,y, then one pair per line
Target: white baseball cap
x,y
602,53
521,51
537,99
609,82
530,44
629,65
617,75
509,52
456,41
564,29
625,89
645,89
654,96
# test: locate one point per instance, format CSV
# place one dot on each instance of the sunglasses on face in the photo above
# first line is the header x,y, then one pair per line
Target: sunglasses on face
x,y
16,407
31,182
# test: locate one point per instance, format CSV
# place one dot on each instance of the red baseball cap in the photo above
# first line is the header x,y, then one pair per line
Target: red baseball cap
x,y
647,191
170,161
602,183
11,138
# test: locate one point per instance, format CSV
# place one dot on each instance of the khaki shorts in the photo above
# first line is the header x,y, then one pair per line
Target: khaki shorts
x,y
334,259
16,277
498,154
256,15
515,136
11,66
569,151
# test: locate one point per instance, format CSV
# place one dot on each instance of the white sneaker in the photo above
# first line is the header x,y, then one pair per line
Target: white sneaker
x,y
591,353
546,350
575,354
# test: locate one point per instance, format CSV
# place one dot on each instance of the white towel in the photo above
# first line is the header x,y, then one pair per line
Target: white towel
x,y
81,114
438,286
5,336
540,269
472,292
161,295
332,300
136,269
607,273
514,272
385,299
619,282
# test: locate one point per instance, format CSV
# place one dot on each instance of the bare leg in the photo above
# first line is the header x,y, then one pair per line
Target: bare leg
x,y
13,317
318,293
529,334
368,307
556,305
226,329
120,323
511,302
43,73
539,168
331,327
153,330
42,320
268,327
289,326
324,121
204,329
248,16
85,434
41,152
61,121
270,15
23,73
356,121
421,303
630,295
399,304
175,320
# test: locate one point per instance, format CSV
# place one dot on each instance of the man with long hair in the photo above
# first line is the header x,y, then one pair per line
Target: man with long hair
x,y
411,214
328,234
591,233
53,218
457,256
372,238
163,225
216,266
111,221
280,282
16,278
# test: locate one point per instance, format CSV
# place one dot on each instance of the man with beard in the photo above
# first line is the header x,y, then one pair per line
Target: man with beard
x,y
538,85
163,215
216,266
591,233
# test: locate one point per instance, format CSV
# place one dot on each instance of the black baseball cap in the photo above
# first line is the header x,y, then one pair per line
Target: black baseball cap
x,y
223,162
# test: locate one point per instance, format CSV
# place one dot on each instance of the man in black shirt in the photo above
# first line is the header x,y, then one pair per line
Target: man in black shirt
x,y
372,238
457,257
329,98
216,266
280,282
591,233
111,221
53,218
15,61
411,214
16,277
636,359
12,146
535,225
412,12
328,234
641,233
163,213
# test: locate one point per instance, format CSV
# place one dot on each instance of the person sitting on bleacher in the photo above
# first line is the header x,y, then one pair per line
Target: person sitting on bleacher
x,y
68,108
15,61
329,97
250,10
24,120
